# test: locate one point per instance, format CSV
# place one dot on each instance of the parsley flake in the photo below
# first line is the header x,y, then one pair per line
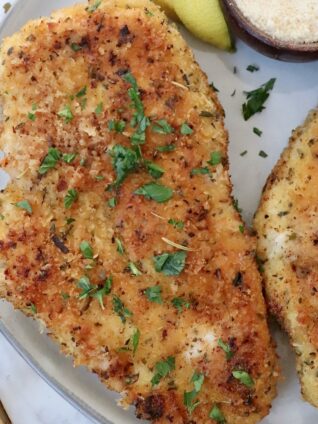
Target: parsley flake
x,y
180,303
256,99
217,415
189,397
66,113
156,192
154,294
263,154
84,283
99,108
112,202
134,270
75,47
124,161
70,198
257,131
86,250
50,160
120,309
200,171
243,378
178,225
185,129
154,170
117,126
81,93
120,247
227,349
163,369
94,6
162,127
216,159
252,68
104,291
135,340
69,157
170,264
25,205
167,148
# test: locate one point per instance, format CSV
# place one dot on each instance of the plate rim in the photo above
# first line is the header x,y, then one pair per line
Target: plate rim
x,y
70,397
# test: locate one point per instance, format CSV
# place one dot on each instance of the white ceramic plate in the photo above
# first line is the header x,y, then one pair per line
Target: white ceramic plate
x,y
296,91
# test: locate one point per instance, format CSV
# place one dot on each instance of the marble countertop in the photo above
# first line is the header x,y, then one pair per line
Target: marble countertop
x,y
27,398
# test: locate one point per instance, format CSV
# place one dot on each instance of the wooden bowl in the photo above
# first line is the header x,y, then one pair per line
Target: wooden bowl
x,y
264,43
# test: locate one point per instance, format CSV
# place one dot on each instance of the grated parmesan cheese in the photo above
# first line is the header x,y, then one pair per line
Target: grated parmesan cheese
x,y
285,20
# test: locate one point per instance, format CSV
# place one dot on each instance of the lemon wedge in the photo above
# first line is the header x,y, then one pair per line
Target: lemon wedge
x,y
204,18
167,6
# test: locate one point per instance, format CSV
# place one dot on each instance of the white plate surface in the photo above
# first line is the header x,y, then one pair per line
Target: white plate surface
x,y
295,93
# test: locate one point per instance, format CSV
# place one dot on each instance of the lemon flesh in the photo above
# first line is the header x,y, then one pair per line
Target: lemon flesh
x,y
204,18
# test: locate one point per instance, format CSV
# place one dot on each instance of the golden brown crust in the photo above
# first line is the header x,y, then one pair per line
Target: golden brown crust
x,y
286,223
46,64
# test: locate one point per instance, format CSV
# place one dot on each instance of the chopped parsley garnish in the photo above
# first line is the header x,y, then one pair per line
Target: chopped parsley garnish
x,y
242,229
32,116
120,247
120,309
139,120
94,6
81,93
154,294
99,178
75,47
162,127
69,157
86,250
217,415
244,378
135,340
25,205
124,161
162,369
33,308
84,283
50,161
189,397
66,113
256,99
99,108
252,68
65,296
117,126
185,129
170,264
180,303
156,192
112,202
227,349
236,205
262,154
216,158
90,290
200,171
257,131
104,291
243,153
154,170
70,198
213,87
134,270
178,225
167,148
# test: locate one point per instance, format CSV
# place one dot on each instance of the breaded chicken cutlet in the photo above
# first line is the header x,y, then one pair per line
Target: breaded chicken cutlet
x,y
118,228
286,223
